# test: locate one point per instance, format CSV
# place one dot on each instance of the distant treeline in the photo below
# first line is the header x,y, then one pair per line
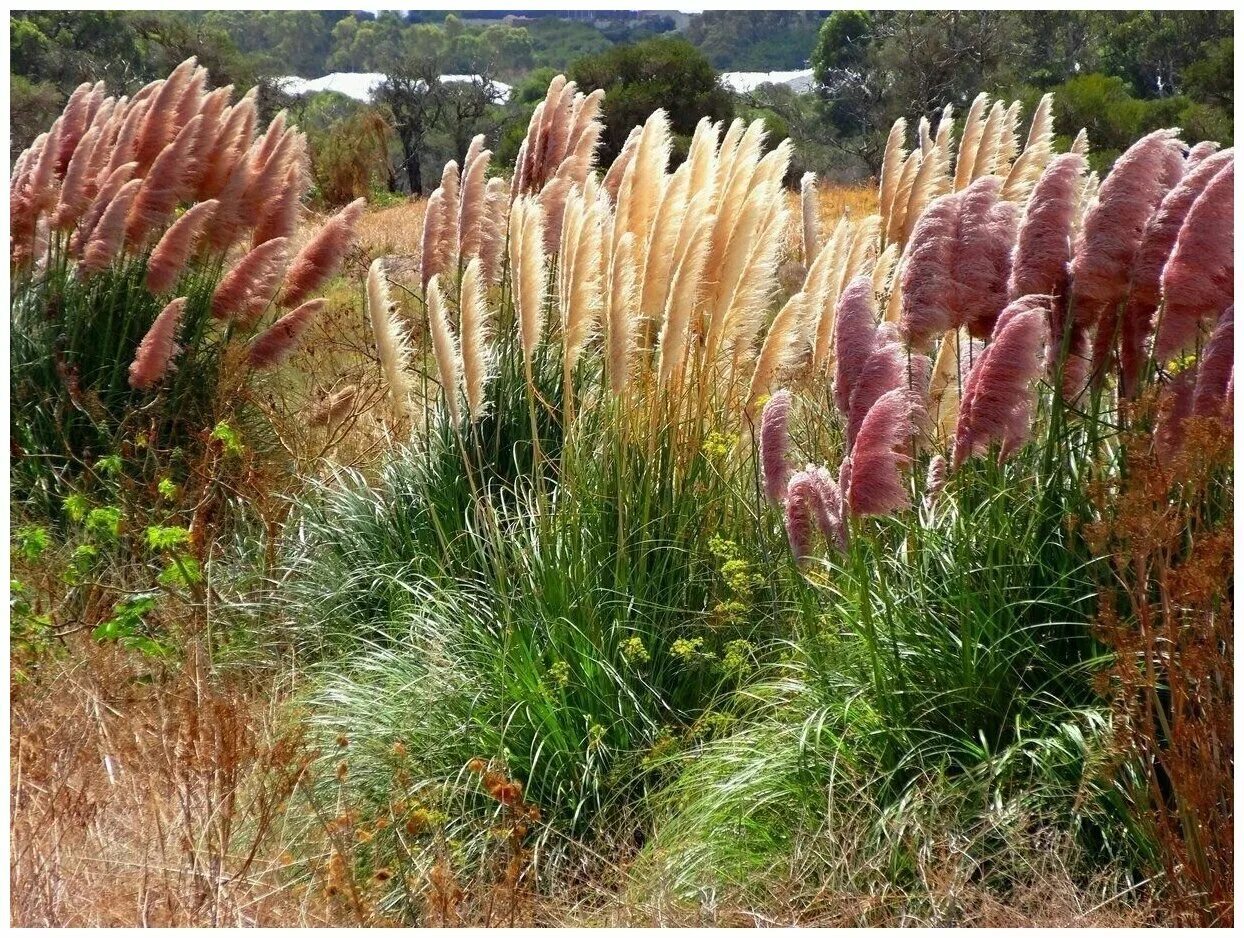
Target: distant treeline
x,y
1118,74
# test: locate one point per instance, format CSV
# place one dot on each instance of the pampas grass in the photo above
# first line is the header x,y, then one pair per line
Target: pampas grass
x,y
173,249
157,348
392,347
444,349
475,339
279,341
321,257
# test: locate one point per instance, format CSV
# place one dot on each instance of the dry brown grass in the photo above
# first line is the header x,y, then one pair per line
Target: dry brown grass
x,y
141,796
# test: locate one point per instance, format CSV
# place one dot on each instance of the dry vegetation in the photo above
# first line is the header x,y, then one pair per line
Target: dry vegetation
x,y
582,641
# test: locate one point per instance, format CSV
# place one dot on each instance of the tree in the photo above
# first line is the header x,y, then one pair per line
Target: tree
x,y
664,73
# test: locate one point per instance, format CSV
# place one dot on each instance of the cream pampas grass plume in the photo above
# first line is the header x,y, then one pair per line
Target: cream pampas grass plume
x,y
175,247
684,292
321,257
444,348
391,345
1156,245
528,270
997,390
1107,244
935,481
619,323
278,342
672,220
447,247
618,168
990,140
108,234
472,203
891,168
781,348
1198,280
775,444
430,257
813,500
254,276
494,229
1031,163
807,206
580,290
157,347
475,339
872,476
969,145
1214,371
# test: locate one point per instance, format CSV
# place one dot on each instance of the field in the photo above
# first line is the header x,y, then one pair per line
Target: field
x,y
667,542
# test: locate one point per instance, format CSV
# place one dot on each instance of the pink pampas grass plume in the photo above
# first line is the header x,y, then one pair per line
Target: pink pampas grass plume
x,y
1198,280
228,222
1199,152
1175,403
229,147
126,143
174,249
981,264
775,444
1106,247
73,125
890,366
855,337
162,186
1215,368
41,185
108,234
813,500
999,383
158,124
874,472
278,342
103,198
280,216
237,287
1043,245
1155,248
321,257
927,289
74,194
157,347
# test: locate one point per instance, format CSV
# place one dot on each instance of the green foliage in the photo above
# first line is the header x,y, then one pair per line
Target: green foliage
x,y
664,73
754,40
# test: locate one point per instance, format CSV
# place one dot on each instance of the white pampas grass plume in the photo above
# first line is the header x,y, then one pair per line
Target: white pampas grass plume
x,y
392,348
444,348
620,321
973,128
475,339
807,205
157,347
528,270
891,168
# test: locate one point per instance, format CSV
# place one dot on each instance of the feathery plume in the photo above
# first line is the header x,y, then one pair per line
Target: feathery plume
x,y
157,348
475,339
1156,245
781,348
807,205
891,168
1216,367
74,195
430,257
935,481
579,272
157,126
684,291
162,186
814,499
332,409
174,248
471,207
1031,163
527,266
278,342
493,230
244,281
391,346
775,444
279,218
108,234
872,477
73,125
321,257
973,128
444,348
990,139
889,366
1043,245
620,324
1108,241
855,338
617,169
103,198
1198,281
1175,402
999,383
